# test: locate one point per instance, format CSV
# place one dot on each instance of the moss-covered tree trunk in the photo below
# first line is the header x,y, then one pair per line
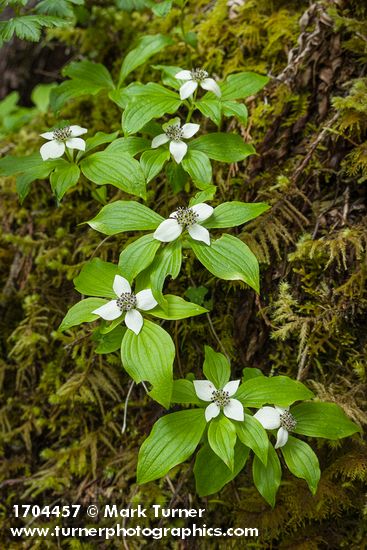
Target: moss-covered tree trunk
x,y
63,406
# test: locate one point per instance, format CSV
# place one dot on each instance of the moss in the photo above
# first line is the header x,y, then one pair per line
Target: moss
x,y
63,405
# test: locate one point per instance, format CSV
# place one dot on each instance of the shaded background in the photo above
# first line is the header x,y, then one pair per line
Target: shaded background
x,y
62,406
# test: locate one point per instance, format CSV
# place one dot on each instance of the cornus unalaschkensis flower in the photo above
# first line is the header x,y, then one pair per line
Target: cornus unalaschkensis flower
x,y
220,399
185,218
127,303
276,418
173,132
195,78
61,138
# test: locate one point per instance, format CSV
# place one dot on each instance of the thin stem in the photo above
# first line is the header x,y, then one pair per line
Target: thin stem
x,y
125,409
70,154
216,336
192,106
144,386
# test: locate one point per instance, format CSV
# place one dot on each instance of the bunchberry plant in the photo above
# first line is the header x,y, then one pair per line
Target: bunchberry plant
x,y
226,418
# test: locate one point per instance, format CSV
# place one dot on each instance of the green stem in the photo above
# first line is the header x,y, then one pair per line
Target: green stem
x,y
192,106
70,154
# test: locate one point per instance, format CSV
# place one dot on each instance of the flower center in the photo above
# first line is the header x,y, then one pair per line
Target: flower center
x,y
198,75
287,421
126,301
62,134
186,217
174,132
220,397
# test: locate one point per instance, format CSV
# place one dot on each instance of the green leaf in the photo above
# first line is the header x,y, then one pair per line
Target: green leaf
x,y
152,101
71,89
250,372
121,216
176,176
168,75
33,167
96,279
109,342
323,420
87,78
183,391
278,390
198,166
95,73
172,441
23,181
163,8
203,196
130,5
167,262
28,27
211,474
131,145
23,185
6,31
148,356
196,294
61,8
109,326
63,179
241,85
9,165
210,108
153,161
191,38
41,96
267,478
137,256
177,308
122,96
222,439
230,259
100,138
253,435
302,462
238,110
146,48
223,147
120,170
9,104
216,368
231,214
81,312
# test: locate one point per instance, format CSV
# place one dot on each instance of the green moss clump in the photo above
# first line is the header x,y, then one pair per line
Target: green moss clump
x,y
63,405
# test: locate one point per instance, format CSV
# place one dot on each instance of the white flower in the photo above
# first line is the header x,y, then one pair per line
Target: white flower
x,y
272,418
232,408
185,218
127,302
60,137
195,78
173,133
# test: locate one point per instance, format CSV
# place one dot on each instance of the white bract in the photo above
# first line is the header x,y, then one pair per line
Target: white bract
x,y
174,134
276,418
127,302
61,137
232,408
185,218
195,78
